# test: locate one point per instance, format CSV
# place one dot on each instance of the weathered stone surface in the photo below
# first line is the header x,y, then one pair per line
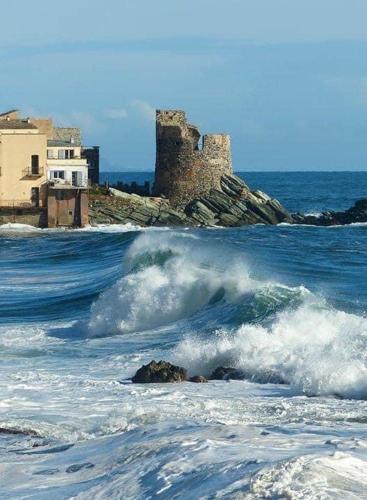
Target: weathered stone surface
x,y
161,372
185,169
122,208
236,205
355,214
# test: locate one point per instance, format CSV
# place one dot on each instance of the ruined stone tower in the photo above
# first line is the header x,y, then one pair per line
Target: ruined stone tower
x,y
186,169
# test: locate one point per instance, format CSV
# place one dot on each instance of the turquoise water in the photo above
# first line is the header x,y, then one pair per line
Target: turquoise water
x,y
80,311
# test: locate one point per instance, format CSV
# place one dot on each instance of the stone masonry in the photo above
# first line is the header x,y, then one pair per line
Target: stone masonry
x,y
185,169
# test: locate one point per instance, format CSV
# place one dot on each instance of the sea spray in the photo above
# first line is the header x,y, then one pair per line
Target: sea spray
x,y
167,278
316,349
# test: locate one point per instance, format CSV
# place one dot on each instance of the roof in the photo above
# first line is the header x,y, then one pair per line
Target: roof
x,y
16,124
58,144
10,112
70,135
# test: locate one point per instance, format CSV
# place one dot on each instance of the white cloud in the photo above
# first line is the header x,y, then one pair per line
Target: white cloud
x,y
86,121
144,109
116,113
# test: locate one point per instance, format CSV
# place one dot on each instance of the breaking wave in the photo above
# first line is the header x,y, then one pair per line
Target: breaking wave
x,y
272,333
168,278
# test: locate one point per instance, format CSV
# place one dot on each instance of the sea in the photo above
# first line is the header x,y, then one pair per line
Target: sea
x,y
82,310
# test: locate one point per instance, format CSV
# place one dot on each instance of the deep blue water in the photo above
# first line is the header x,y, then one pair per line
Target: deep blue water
x,y
81,310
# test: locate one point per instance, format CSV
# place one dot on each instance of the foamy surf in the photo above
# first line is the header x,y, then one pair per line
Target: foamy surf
x,y
73,426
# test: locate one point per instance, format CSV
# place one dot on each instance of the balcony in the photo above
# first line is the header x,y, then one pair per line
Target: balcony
x,y
32,173
66,184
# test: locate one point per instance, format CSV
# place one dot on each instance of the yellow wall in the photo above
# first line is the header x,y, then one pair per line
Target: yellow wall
x,y
16,150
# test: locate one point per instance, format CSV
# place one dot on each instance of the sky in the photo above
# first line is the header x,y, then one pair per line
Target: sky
x,y
287,79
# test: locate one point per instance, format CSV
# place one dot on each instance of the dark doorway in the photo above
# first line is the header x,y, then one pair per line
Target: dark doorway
x,y
35,197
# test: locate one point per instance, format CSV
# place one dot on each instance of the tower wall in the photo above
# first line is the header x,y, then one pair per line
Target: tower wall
x,y
184,170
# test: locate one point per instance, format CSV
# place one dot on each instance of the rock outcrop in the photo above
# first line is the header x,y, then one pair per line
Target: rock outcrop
x,y
161,372
123,208
234,204
355,214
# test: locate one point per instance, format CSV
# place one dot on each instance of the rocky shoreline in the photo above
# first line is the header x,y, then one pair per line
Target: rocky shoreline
x,y
233,205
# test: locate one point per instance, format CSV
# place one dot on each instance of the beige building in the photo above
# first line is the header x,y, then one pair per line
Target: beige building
x,y
23,152
41,166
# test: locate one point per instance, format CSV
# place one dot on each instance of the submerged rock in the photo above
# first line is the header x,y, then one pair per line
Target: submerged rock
x,y
198,379
161,372
226,373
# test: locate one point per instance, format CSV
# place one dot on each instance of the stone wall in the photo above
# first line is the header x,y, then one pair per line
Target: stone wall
x,y
186,169
31,216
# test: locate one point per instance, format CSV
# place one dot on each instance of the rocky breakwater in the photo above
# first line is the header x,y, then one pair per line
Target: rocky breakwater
x,y
354,215
234,204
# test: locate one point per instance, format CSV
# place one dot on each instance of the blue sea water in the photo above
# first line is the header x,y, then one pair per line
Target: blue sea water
x,y
81,310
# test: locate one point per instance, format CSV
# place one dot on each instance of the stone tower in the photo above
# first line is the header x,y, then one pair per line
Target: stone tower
x,y
186,169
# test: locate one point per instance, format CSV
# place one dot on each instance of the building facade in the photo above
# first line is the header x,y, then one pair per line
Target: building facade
x,y
41,166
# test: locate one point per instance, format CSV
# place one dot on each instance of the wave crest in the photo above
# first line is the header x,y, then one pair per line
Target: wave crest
x,y
167,278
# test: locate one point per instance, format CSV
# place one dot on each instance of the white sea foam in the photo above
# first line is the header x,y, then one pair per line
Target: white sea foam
x,y
340,476
317,350
18,228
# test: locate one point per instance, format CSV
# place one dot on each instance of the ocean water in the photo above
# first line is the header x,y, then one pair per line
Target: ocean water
x,y
82,310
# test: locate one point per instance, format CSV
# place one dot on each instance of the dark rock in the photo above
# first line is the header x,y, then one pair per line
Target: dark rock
x,y
161,372
355,214
198,379
226,373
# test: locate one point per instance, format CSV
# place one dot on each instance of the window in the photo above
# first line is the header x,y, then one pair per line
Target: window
x,y
66,154
58,174
35,164
50,153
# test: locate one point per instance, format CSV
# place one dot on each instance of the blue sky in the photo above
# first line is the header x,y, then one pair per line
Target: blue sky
x,y
286,78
